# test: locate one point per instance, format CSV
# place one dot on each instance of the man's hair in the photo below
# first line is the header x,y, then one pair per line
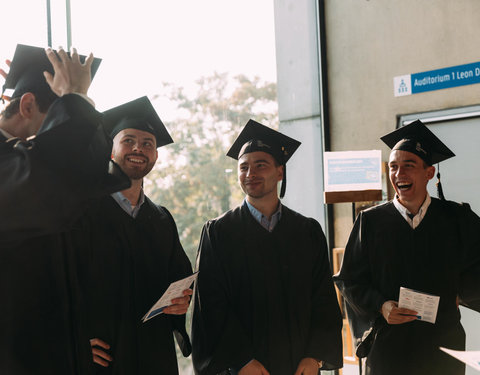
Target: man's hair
x,y
11,109
43,101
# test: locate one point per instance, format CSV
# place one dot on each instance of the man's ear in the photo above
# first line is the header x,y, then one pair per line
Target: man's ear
x,y
430,172
28,105
156,155
280,172
112,155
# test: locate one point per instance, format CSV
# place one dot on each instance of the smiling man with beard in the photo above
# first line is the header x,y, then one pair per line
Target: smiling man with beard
x,y
129,254
264,300
126,152
417,242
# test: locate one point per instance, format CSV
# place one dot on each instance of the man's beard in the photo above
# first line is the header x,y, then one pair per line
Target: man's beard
x,y
136,173
257,194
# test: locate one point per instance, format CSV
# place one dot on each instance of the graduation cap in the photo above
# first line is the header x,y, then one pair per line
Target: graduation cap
x,y
419,140
258,137
137,114
26,71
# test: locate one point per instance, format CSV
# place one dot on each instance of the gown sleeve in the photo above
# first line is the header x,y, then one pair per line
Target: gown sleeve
x,y
326,327
47,180
469,292
219,340
354,279
179,268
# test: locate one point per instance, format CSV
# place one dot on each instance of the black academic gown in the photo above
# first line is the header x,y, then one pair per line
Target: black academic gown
x,y
384,253
126,265
264,295
45,182
43,186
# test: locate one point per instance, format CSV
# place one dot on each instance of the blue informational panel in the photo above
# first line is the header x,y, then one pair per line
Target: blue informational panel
x,y
353,170
460,75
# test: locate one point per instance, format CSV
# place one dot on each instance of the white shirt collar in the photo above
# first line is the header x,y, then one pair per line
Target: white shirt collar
x,y
415,222
6,134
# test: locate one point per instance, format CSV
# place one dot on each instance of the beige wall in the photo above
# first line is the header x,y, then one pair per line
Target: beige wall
x,y
369,43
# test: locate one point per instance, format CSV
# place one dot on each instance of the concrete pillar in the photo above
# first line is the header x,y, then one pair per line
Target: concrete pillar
x,y
298,80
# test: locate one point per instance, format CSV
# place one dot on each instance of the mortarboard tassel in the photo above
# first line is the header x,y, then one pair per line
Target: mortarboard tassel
x,y
284,182
439,185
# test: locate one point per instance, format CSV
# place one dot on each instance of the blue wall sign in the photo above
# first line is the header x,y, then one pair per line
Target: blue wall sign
x,y
438,79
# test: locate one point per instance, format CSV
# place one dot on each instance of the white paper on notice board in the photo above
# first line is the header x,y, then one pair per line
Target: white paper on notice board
x,y
353,170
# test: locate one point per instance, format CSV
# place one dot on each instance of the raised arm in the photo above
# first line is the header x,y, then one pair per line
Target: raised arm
x,y
47,180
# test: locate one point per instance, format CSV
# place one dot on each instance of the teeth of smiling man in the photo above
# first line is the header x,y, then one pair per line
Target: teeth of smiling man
x,y
402,185
133,160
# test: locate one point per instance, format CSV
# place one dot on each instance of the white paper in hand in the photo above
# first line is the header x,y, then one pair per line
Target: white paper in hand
x,y
175,290
426,305
471,358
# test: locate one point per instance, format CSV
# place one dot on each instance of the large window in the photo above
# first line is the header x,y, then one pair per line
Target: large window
x,y
208,66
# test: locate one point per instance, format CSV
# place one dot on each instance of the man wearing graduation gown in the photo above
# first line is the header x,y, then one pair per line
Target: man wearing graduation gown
x,y
44,183
264,300
44,174
417,242
130,254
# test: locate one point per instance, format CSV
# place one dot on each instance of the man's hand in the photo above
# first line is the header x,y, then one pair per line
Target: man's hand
x,y
253,368
100,356
179,305
3,73
307,366
70,75
396,315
